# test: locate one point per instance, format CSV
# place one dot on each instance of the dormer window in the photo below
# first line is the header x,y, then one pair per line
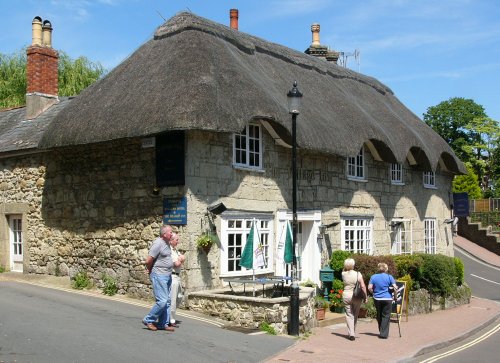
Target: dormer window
x,y
247,147
429,179
356,166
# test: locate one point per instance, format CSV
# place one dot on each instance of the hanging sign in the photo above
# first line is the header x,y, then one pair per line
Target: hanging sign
x,y
175,211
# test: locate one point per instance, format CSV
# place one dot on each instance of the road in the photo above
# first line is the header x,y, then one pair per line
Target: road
x,y
484,279
45,325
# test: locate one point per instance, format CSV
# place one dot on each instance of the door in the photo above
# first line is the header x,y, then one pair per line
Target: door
x,y
308,256
16,243
308,250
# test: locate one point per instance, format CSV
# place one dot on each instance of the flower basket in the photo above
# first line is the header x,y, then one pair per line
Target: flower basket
x,y
205,241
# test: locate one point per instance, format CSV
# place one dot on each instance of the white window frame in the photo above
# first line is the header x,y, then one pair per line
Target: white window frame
x,y
356,166
357,234
249,155
396,173
429,179
401,237
235,229
430,235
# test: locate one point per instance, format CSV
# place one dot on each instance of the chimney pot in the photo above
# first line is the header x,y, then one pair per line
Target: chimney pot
x,y
36,31
233,16
315,34
47,34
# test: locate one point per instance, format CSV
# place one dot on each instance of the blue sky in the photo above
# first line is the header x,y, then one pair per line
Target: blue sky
x,y
426,51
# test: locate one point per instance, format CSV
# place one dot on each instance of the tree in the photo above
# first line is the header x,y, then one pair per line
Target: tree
x,y
467,183
474,137
73,75
450,118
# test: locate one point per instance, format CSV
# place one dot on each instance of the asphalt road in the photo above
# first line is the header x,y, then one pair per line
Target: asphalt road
x,y
483,279
44,325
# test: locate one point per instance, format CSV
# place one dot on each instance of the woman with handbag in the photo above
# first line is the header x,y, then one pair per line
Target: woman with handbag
x,y
384,289
354,294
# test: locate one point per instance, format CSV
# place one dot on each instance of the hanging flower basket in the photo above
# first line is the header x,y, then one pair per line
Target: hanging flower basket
x,y
205,241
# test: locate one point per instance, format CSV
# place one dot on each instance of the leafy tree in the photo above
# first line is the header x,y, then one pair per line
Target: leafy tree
x,y
467,183
74,76
450,118
474,138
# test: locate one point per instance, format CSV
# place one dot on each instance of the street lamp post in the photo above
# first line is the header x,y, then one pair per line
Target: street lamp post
x,y
294,96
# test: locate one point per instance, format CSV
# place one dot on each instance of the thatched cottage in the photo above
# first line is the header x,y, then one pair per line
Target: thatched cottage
x,y
193,128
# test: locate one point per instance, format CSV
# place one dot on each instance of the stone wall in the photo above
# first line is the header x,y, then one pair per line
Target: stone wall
x,y
250,312
92,208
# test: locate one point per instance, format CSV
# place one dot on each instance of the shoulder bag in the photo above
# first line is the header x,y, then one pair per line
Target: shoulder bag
x,y
358,292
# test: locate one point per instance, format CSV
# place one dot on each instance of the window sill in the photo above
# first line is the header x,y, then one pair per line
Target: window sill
x,y
430,186
351,178
397,183
248,168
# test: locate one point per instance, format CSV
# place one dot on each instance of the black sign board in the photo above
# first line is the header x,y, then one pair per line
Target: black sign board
x,y
170,159
460,204
175,211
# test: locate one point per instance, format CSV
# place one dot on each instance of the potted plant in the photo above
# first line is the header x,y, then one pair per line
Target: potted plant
x,y
321,305
205,241
335,296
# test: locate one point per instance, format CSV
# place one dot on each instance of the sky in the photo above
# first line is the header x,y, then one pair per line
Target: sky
x,y
426,51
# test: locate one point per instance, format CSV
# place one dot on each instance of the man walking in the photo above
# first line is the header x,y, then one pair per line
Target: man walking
x,y
159,265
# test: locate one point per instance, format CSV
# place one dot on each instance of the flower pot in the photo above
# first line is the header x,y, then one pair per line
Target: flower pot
x,y
338,309
320,314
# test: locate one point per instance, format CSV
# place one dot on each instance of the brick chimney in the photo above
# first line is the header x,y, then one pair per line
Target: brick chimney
x,y
233,16
318,50
41,70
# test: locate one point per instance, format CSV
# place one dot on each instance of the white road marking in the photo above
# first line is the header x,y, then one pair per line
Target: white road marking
x,y
482,278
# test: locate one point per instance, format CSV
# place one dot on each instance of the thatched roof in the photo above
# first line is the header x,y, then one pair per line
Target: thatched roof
x,y
17,134
197,74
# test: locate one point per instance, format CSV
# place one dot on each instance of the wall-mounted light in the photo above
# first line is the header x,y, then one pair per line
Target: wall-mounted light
x,y
449,220
156,190
395,224
216,208
322,228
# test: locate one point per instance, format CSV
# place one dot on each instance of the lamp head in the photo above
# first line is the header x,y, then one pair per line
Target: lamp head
x,y
294,97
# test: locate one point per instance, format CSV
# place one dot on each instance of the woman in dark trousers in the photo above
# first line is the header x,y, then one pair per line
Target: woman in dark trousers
x,y
379,286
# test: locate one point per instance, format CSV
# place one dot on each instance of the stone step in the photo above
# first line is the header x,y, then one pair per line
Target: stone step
x,y
331,319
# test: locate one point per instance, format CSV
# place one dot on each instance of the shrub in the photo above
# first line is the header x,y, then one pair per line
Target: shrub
x,y
266,327
2,269
337,262
459,271
81,281
110,287
371,311
367,265
438,274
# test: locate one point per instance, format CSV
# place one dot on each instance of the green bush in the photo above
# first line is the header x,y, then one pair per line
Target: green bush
x,y
459,271
337,262
110,285
81,281
367,265
266,327
371,311
2,269
438,274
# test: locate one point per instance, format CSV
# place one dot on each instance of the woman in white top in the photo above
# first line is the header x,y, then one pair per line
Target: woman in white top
x,y
352,305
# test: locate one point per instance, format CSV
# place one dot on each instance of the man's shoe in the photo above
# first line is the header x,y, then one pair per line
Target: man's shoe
x,y
150,326
169,328
173,325
352,338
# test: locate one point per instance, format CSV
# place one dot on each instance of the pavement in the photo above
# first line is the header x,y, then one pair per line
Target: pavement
x,y
420,334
